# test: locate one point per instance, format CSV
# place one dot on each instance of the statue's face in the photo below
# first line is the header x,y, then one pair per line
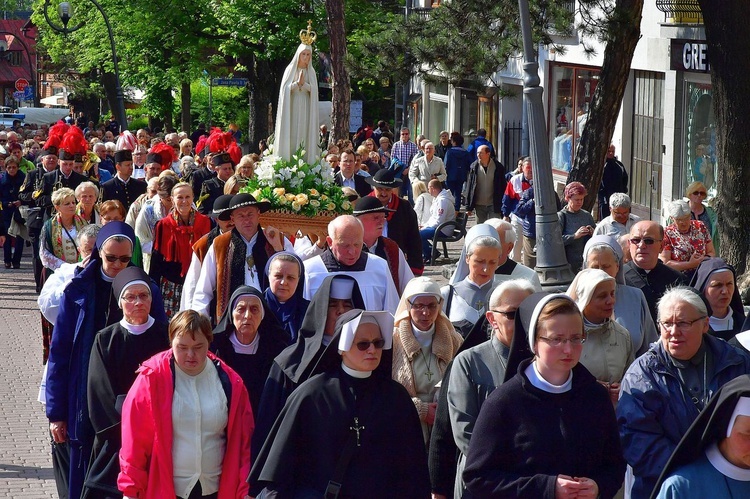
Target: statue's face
x,y
304,59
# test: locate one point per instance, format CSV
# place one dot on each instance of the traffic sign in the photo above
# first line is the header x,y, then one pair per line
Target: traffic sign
x,y
21,83
230,82
18,95
28,93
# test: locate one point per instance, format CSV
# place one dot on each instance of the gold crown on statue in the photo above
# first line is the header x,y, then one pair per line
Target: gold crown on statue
x,y
308,36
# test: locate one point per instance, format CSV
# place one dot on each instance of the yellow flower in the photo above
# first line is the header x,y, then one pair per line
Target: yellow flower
x,y
279,191
330,207
346,205
324,198
282,200
296,206
315,203
302,199
314,193
256,194
290,197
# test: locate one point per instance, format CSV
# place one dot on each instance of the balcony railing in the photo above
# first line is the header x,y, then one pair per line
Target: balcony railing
x,y
680,11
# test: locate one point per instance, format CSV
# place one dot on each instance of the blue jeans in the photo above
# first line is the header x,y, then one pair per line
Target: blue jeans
x,y
427,234
455,186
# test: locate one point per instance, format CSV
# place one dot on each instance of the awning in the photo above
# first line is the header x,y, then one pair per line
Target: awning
x,y
55,100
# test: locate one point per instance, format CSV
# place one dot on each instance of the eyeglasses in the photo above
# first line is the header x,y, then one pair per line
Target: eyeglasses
x,y
510,315
421,307
557,341
3,141
700,193
648,241
681,325
143,297
364,345
113,258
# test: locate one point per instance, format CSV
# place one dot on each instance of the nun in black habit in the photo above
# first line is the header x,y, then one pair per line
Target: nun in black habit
x,y
248,338
360,433
310,354
117,352
712,458
716,281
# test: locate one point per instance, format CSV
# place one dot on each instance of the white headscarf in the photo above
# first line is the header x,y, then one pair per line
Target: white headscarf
x,y
384,320
583,286
462,268
538,311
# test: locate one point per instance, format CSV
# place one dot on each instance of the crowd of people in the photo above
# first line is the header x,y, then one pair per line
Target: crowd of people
x,y
191,352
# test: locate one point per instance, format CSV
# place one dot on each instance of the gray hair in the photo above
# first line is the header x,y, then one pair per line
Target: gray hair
x,y
619,200
98,145
504,230
681,294
520,285
600,248
678,209
484,242
89,231
343,221
86,185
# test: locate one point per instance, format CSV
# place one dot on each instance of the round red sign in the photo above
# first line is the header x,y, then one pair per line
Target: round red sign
x,y
21,83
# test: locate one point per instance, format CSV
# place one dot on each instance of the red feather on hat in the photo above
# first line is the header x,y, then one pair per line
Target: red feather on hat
x,y
74,142
56,133
220,141
166,153
235,152
201,144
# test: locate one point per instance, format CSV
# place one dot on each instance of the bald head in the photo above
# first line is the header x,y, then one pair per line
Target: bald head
x,y
646,243
345,238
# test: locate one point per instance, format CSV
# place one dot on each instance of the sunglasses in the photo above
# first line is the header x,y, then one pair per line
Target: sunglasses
x,y
700,193
113,258
509,315
364,345
648,241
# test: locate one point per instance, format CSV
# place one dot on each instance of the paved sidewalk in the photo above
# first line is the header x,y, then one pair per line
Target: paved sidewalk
x,y
25,463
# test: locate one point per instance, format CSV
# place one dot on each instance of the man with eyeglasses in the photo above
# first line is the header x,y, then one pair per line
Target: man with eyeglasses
x,y
476,372
666,388
620,220
88,306
614,179
645,271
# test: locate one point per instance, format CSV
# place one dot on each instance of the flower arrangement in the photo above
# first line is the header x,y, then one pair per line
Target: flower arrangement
x,y
296,187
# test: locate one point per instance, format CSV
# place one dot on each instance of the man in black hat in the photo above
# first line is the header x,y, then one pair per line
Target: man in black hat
x,y
64,176
123,188
402,225
201,175
221,215
30,195
237,257
214,187
371,213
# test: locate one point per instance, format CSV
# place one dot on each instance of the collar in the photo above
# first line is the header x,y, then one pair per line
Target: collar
x,y
424,338
355,374
695,360
105,277
723,466
539,382
239,347
121,179
137,329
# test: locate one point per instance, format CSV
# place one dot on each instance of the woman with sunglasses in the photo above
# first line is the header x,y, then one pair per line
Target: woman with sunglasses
x,y
696,194
687,242
424,343
359,429
549,431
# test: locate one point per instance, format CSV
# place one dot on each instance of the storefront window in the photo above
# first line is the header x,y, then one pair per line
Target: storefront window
x,y
437,117
469,119
571,91
700,137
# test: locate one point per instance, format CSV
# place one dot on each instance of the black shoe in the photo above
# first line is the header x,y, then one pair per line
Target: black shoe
x,y
16,266
7,265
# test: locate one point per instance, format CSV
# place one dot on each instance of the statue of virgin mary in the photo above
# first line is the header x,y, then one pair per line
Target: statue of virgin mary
x,y
297,112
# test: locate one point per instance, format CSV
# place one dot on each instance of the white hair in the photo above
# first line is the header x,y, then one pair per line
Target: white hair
x,y
507,286
341,222
504,230
681,294
87,185
620,200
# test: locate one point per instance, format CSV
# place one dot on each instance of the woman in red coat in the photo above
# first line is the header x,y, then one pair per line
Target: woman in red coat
x,y
170,449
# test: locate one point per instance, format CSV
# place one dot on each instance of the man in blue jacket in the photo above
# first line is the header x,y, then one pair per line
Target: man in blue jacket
x,y
665,389
457,162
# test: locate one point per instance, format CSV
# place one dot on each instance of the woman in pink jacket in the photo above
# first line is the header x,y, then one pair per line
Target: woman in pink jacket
x,y
186,422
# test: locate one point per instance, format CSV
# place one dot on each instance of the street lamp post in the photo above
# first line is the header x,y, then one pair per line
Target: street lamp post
x,y
551,264
65,11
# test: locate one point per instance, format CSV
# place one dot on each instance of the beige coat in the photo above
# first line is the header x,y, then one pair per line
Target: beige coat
x,y
445,344
608,352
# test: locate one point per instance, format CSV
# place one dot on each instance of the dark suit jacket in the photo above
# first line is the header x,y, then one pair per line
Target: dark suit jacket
x,y
654,283
124,193
360,184
52,181
213,187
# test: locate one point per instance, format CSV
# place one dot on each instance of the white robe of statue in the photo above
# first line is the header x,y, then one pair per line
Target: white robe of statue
x,y
297,112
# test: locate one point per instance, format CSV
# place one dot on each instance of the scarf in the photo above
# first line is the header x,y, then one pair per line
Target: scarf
x,y
92,218
56,236
392,205
175,240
